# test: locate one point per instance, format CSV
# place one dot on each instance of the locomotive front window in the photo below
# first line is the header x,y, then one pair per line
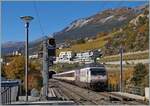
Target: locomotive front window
x,y
97,71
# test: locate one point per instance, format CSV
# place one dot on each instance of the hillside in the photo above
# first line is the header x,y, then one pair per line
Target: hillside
x,y
104,21
89,45
133,36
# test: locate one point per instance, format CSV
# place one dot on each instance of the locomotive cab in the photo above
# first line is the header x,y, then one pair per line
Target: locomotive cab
x,y
98,78
97,74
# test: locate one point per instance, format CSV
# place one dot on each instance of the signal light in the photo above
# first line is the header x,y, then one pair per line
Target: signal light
x,y
51,41
51,47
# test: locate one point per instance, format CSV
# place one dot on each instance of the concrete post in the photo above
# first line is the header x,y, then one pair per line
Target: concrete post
x,y
45,69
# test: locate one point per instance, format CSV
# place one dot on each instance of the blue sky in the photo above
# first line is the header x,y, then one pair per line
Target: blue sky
x,y
54,16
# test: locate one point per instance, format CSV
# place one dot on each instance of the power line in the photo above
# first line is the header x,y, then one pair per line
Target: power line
x,y
38,17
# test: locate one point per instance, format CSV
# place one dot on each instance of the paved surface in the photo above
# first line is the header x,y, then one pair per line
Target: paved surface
x,y
30,98
144,61
133,96
40,103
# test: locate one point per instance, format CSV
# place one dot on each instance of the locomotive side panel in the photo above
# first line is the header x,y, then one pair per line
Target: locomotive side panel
x,y
77,75
83,75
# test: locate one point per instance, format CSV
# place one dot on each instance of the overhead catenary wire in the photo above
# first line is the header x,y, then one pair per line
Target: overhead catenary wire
x,y
38,17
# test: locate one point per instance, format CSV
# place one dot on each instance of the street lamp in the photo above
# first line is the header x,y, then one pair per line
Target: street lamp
x,y
26,19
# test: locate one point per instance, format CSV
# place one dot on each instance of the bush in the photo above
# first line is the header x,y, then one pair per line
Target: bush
x,y
139,75
35,80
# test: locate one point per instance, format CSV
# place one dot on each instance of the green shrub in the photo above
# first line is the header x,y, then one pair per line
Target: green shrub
x,y
140,75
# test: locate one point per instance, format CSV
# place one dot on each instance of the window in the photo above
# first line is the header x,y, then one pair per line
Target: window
x,y
98,71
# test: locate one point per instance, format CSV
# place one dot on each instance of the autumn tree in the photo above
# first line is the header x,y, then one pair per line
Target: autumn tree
x,y
35,80
35,75
15,68
2,70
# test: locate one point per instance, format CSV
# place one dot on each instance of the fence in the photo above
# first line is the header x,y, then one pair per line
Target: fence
x,y
6,96
9,91
128,89
135,90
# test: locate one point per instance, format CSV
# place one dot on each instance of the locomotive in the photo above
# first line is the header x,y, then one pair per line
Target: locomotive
x,y
92,77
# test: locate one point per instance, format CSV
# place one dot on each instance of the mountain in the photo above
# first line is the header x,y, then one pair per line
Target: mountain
x,y
104,21
9,47
133,36
36,45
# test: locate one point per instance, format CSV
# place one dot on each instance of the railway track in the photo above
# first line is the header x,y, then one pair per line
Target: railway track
x,y
55,93
77,97
89,97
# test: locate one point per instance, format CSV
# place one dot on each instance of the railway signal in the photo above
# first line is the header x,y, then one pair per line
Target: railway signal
x,y
49,53
51,48
51,41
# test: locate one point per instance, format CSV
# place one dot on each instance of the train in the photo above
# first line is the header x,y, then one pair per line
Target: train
x,y
92,77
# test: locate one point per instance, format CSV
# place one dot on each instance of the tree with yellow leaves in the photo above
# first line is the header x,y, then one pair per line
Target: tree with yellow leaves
x,y
15,68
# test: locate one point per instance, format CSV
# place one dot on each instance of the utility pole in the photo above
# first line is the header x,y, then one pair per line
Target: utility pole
x,y
45,69
121,79
49,52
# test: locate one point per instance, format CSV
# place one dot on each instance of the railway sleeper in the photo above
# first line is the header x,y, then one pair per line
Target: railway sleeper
x,y
52,94
61,95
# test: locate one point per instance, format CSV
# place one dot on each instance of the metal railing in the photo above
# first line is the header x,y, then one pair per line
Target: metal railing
x,y
9,91
6,96
135,90
128,89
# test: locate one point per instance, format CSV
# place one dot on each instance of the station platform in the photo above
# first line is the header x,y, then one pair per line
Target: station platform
x,y
44,103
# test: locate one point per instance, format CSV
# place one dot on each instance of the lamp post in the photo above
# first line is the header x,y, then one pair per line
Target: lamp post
x,y
26,20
